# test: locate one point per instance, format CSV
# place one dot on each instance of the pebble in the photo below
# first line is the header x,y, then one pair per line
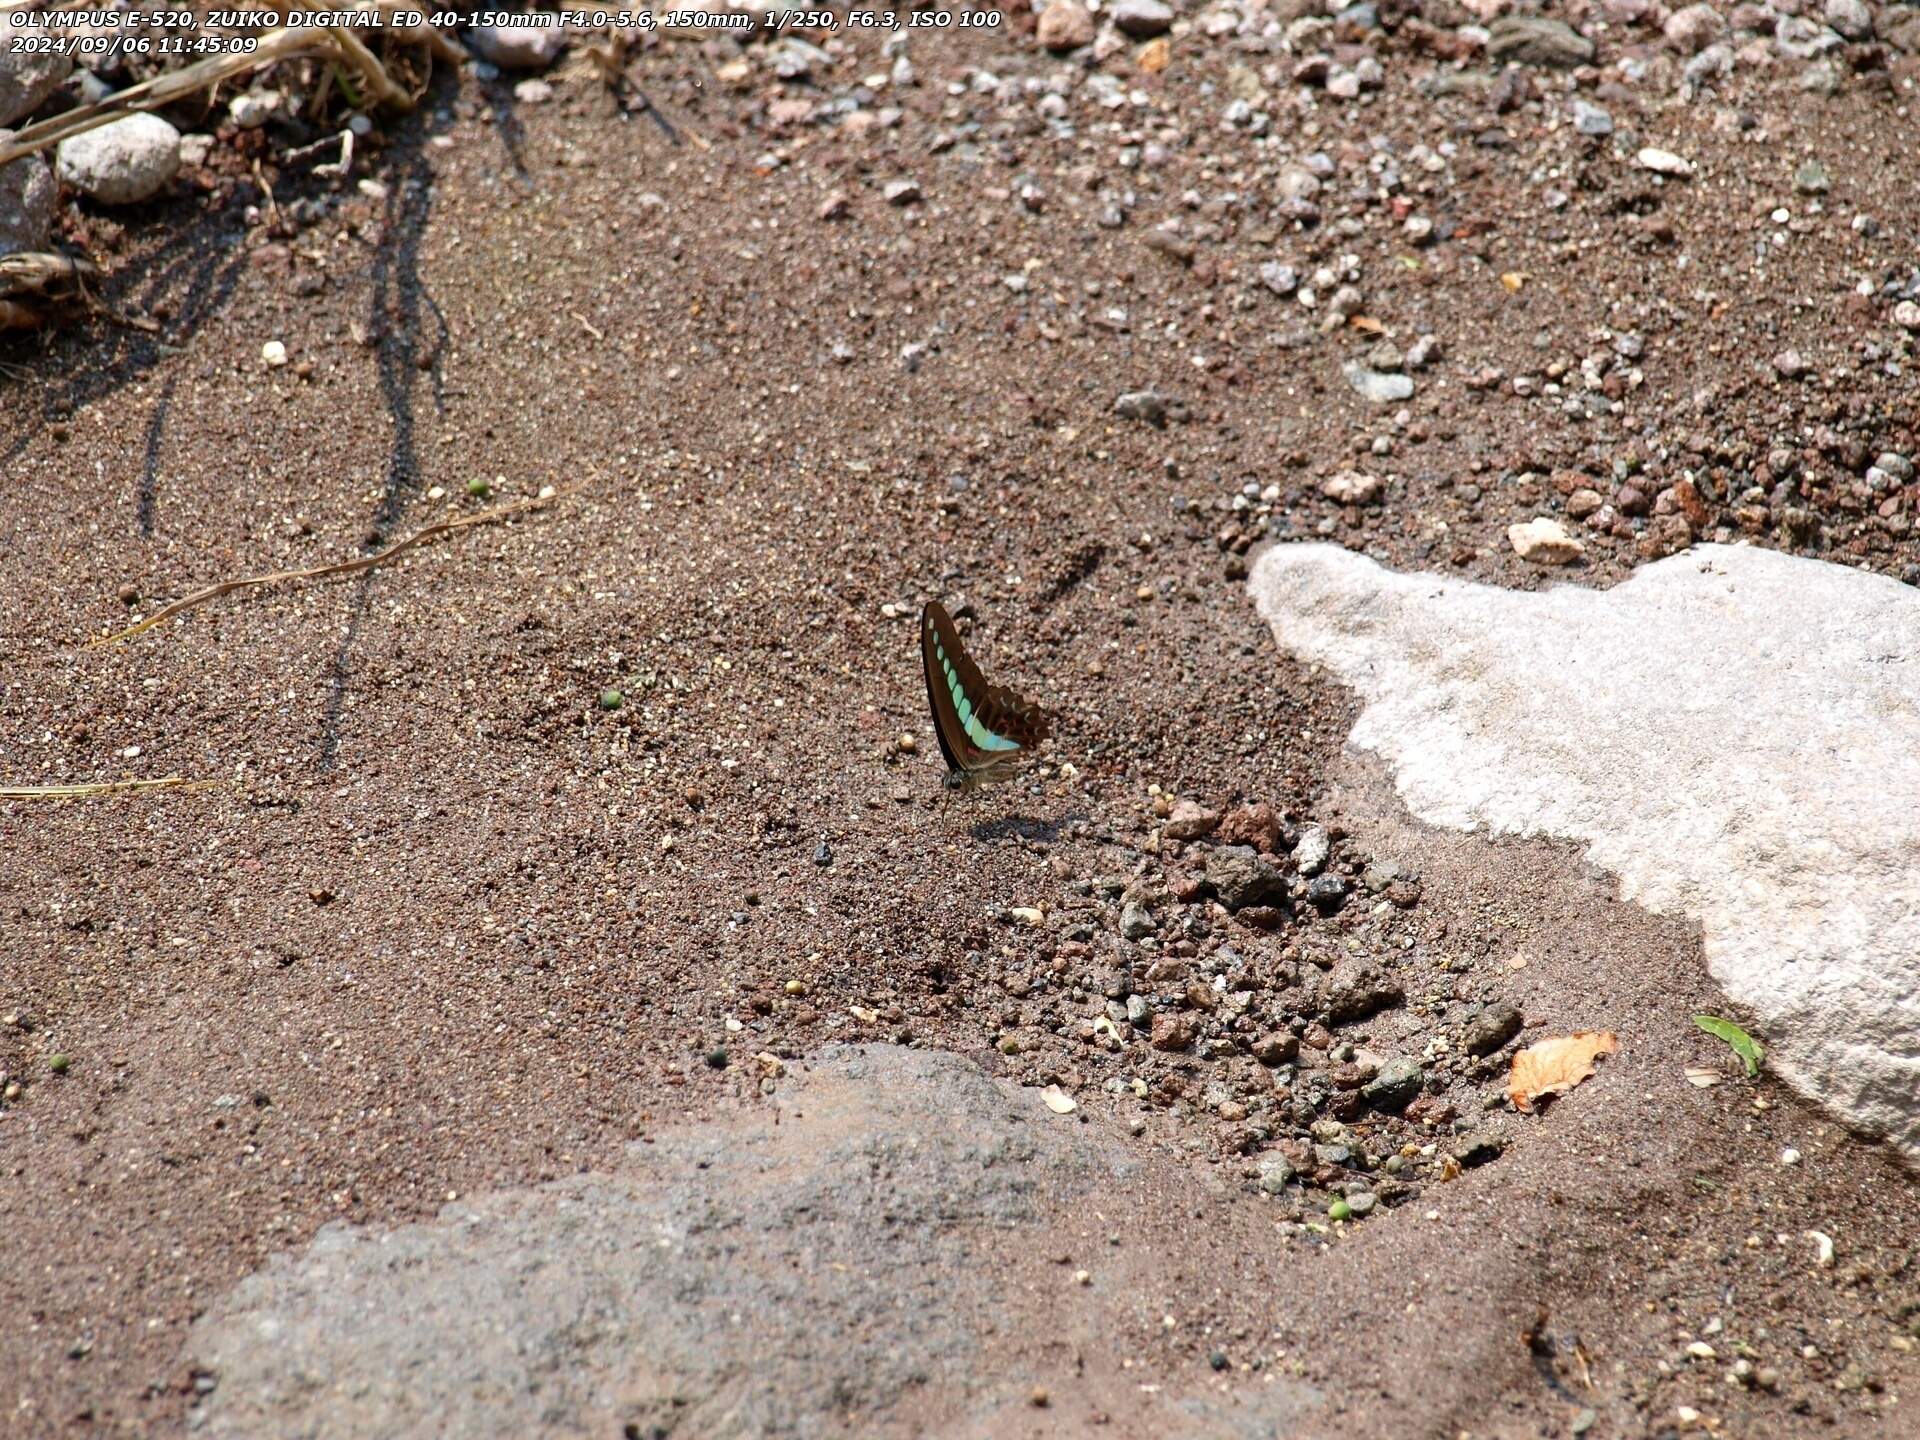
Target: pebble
x,y
28,77
1171,1032
1190,820
1811,178
1789,365
823,854
902,192
1542,541
1276,1173
1312,850
1327,893
27,195
1361,1204
1142,405
612,699
518,43
1477,1148
1280,279
533,92
1396,1085
1064,25
1241,876
1591,119
1143,19
253,109
1351,487
1851,19
1536,40
1376,386
122,162
1693,28
1493,1027
1663,162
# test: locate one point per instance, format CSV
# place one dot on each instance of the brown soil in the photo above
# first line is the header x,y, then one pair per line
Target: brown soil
x,y
457,927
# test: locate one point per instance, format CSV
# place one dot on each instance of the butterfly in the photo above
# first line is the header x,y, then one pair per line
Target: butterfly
x,y
984,730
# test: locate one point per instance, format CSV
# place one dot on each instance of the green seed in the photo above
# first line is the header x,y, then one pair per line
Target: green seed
x,y
479,488
611,699
58,1064
1339,1210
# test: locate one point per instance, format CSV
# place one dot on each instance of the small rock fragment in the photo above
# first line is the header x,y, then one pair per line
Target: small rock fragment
x,y
1542,541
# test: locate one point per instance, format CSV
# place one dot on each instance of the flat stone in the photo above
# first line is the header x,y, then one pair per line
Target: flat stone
x,y
1535,40
1802,870
687,1290
1491,1028
1396,1085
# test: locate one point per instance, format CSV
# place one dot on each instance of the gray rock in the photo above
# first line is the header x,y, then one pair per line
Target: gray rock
x,y
1713,63
1811,178
122,162
1850,18
1327,893
1136,921
1591,119
688,1290
1312,850
1801,867
1143,19
28,78
1375,386
1142,405
1361,1203
1241,876
1139,1012
1358,988
26,203
1396,1086
1477,1148
1276,1173
520,43
1280,279
1536,40
1491,1028
1190,820
1694,27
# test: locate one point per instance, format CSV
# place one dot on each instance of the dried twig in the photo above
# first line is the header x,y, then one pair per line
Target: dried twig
x,y
343,567
164,89
103,787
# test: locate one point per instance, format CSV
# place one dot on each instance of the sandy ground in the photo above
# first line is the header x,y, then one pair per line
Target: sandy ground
x,y
456,928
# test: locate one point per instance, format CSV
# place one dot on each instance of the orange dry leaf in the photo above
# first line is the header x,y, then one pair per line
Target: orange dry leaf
x,y
1554,1066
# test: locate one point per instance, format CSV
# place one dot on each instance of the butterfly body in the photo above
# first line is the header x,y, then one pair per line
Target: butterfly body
x,y
984,730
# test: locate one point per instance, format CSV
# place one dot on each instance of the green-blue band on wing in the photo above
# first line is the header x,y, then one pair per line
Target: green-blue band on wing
x,y
977,732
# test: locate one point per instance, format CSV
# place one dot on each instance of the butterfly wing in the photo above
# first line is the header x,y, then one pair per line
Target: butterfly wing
x,y
980,727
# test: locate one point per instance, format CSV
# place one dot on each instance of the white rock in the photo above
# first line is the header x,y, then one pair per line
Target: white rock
x,y
1351,487
520,44
122,162
1733,732
253,109
1143,18
1543,542
26,203
1664,162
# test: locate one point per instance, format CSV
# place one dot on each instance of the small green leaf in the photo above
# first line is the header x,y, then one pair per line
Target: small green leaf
x,y
1741,1043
